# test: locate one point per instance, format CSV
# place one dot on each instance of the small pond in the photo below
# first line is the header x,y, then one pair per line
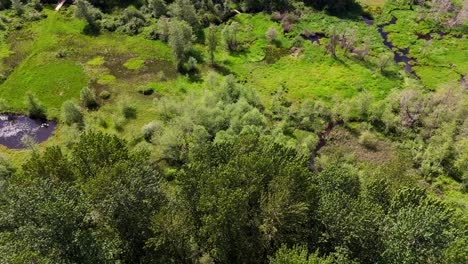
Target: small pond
x,y
14,127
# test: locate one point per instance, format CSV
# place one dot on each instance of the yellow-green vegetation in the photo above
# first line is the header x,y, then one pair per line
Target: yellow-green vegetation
x,y
134,64
98,61
373,2
106,79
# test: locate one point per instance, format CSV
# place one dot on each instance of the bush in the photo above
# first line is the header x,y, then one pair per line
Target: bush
x,y
272,34
368,140
128,111
71,113
105,95
35,109
149,129
192,64
102,122
119,124
88,98
36,4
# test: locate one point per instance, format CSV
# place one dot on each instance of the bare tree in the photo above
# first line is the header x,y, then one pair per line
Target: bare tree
x,y
331,46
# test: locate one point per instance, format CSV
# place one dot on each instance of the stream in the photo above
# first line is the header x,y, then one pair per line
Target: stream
x,y
401,55
14,127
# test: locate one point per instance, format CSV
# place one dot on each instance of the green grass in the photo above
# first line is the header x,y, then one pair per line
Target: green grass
x,y
98,61
106,79
314,74
55,79
134,64
52,80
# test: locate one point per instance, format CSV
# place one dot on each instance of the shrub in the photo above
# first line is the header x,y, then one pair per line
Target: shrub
x,y
105,95
148,130
35,109
102,122
119,124
71,113
128,111
368,140
192,64
88,98
271,34
36,4
17,5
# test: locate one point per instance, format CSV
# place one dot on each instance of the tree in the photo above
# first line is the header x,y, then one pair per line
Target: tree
x,y
35,109
17,5
417,229
180,40
212,42
163,28
384,59
184,10
230,36
333,43
157,8
71,114
233,192
93,205
87,12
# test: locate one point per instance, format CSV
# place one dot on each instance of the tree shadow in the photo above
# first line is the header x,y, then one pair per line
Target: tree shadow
x,y
92,30
221,69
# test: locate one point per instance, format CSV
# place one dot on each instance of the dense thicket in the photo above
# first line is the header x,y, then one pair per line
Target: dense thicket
x,y
232,202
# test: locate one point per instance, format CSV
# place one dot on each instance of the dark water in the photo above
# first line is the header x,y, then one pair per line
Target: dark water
x,y
313,37
14,127
401,55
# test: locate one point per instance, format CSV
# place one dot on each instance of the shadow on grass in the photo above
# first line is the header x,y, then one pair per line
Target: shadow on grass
x,y
92,30
221,69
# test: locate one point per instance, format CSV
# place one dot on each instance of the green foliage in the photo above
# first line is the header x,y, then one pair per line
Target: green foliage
x,y
128,111
212,43
249,176
418,231
230,36
88,98
17,5
35,108
180,40
105,95
134,64
298,255
184,10
71,114
63,212
87,12
156,8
